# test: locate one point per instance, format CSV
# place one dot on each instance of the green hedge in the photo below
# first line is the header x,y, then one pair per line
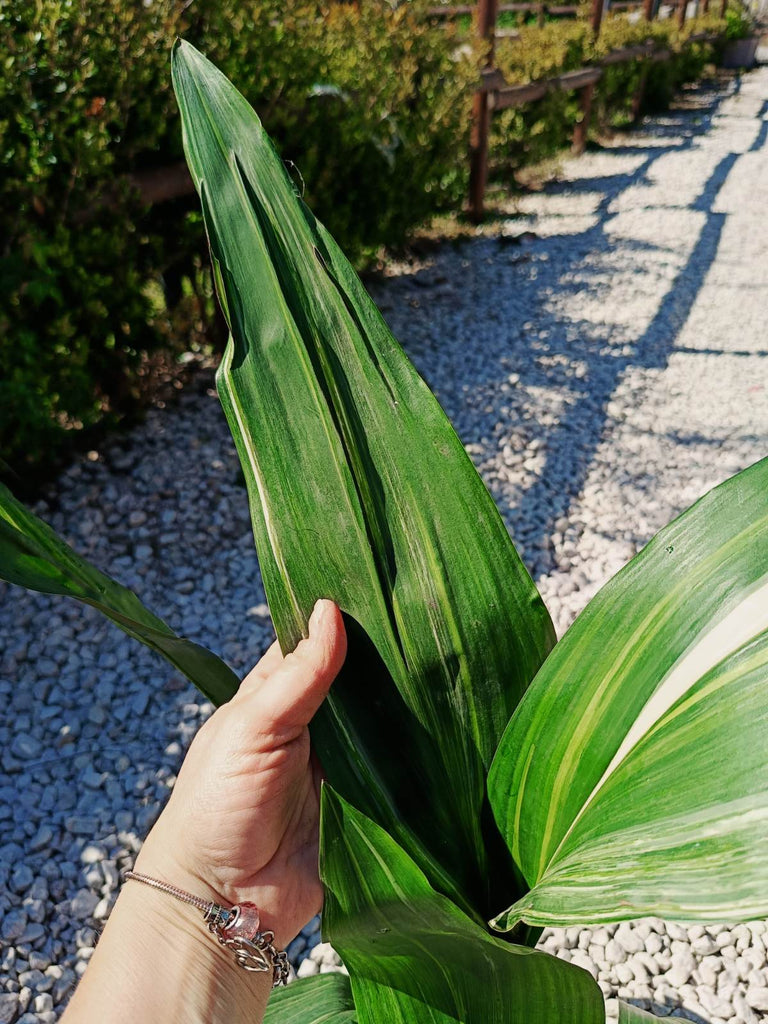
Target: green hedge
x,y
539,130
371,105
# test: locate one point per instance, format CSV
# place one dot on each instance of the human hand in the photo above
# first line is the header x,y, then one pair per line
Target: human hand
x,y
243,819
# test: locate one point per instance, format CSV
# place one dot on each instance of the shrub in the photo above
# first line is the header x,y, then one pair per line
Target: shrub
x,y
523,135
540,129
82,97
89,280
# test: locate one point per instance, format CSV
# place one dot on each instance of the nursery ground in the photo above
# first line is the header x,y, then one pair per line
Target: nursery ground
x,y
603,357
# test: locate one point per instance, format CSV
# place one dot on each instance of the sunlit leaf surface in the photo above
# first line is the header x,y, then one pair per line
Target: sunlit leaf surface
x,y
415,958
633,778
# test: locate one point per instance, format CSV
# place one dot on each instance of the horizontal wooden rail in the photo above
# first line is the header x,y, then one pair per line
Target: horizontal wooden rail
x,y
627,54
503,96
556,10
517,95
491,79
451,12
702,37
577,79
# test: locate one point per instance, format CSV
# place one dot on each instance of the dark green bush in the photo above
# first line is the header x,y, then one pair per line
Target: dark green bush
x,y
83,99
372,106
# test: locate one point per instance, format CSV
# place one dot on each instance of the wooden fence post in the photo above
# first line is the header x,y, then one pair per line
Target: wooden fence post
x,y
649,12
705,7
586,94
637,99
481,117
581,130
597,16
723,8
682,7
541,15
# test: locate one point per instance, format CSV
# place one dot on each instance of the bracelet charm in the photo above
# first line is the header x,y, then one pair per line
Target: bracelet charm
x,y
235,928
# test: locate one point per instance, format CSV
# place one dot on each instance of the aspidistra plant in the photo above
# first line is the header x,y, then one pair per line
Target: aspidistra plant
x,y
482,781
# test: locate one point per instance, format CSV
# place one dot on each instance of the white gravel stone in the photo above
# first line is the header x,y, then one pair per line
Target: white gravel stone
x,y
757,998
307,968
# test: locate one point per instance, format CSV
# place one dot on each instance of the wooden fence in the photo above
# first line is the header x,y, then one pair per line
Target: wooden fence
x,y
494,92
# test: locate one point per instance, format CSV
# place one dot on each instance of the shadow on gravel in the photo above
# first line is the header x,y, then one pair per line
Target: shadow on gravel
x,y
762,135
670,1012
572,264
573,442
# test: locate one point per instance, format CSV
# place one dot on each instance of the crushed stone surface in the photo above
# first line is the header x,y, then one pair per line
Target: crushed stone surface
x,y
604,360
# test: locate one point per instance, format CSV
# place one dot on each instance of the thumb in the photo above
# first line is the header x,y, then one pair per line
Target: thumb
x,y
289,697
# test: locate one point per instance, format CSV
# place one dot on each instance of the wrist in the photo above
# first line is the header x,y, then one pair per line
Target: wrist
x,y
233,924
157,962
180,928
161,859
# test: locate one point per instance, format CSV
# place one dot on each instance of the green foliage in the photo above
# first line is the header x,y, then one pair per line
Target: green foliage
x,y
523,135
340,427
81,98
90,283
543,128
738,22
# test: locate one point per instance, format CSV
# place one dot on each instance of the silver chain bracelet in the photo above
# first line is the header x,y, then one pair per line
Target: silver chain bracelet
x,y
235,928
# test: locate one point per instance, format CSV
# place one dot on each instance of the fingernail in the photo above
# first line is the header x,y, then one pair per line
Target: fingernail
x,y
317,618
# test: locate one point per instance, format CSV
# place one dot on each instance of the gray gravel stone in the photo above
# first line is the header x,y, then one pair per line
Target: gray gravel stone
x,y
26,747
21,878
83,904
13,925
9,1007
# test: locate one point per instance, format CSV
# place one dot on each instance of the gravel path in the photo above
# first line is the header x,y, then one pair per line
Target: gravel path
x,y
603,374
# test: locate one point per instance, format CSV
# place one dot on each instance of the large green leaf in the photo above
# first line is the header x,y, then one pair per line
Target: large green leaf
x,y
633,778
413,956
33,556
360,491
324,999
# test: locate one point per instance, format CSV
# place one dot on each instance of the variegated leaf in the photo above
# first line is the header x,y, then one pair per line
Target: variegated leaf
x,y
633,778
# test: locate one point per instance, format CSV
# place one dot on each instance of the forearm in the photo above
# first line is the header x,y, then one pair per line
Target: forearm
x,y
157,963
